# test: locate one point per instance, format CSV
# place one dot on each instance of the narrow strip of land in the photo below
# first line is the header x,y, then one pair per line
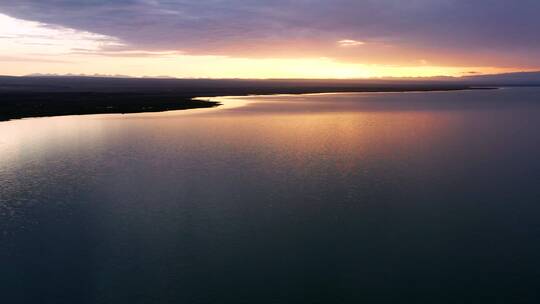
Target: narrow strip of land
x,y
22,97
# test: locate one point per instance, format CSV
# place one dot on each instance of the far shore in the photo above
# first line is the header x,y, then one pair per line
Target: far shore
x,y
76,97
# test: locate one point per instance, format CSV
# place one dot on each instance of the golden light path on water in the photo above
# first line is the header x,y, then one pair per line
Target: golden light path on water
x,y
285,118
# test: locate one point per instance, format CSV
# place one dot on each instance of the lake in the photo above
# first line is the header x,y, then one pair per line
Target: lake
x,y
429,197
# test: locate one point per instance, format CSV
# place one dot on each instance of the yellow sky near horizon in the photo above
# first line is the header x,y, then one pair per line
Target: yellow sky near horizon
x,y
28,47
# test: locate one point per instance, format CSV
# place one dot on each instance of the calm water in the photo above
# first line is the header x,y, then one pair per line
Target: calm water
x,y
336,198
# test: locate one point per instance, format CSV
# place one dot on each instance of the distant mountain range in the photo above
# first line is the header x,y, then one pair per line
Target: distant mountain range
x,y
513,79
505,79
120,83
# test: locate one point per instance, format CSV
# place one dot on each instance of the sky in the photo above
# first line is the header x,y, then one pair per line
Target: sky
x,y
269,39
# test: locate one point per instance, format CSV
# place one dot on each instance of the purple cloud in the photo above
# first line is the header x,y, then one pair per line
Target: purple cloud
x,y
496,32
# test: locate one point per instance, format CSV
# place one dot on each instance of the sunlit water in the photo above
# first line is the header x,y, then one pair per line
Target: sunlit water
x,y
332,198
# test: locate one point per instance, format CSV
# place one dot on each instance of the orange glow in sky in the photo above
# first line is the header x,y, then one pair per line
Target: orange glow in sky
x,y
28,47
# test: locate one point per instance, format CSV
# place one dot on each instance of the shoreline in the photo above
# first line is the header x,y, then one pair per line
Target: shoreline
x,y
20,105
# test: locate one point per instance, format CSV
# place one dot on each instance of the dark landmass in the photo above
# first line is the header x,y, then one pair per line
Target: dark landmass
x,y
40,104
519,79
22,97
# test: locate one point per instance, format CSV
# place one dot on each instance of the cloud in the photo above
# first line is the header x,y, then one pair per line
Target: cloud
x,y
488,32
22,59
22,37
350,42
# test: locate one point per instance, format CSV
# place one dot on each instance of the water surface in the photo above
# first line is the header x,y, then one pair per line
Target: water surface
x,y
333,198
